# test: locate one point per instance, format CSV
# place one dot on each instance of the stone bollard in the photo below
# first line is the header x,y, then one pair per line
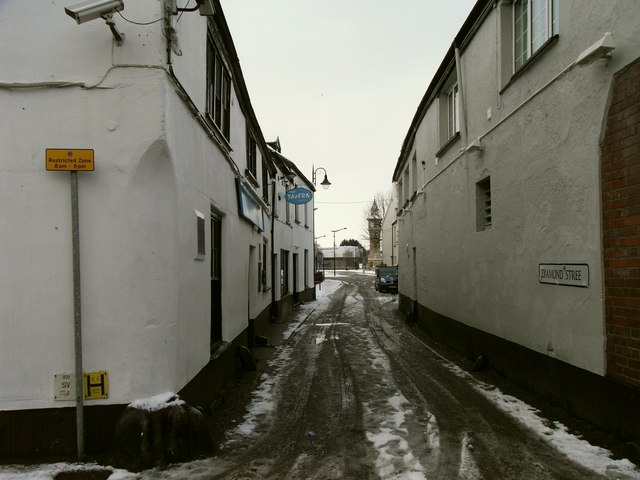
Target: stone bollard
x,y
159,431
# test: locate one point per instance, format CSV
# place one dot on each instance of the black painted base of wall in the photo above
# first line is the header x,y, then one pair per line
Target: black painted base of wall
x,y
28,436
601,401
285,305
50,433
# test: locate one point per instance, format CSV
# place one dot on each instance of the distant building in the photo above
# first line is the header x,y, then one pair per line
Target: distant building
x,y
374,227
346,258
518,201
389,234
292,228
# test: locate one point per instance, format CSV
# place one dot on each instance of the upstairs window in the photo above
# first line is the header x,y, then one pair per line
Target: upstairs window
x,y
453,118
252,155
265,181
218,87
448,112
534,22
414,173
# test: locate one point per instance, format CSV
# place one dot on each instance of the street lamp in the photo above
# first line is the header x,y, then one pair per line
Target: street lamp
x,y
334,248
325,183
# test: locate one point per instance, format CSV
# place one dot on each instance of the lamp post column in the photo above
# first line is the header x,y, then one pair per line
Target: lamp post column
x,y
334,254
334,248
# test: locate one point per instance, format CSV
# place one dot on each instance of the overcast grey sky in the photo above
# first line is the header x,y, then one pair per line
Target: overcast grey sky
x,y
339,82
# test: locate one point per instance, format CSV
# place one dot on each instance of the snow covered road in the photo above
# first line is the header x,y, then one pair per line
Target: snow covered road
x,y
353,392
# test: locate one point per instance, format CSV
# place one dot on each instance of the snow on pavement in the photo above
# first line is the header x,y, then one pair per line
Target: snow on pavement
x,y
594,458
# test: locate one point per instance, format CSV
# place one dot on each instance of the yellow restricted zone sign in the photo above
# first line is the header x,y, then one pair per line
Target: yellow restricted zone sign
x,y
96,385
67,160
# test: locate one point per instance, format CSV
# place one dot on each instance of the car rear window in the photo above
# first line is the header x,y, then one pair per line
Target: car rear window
x,y
388,270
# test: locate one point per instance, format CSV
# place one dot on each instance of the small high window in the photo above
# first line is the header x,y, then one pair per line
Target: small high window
x,y
200,236
483,205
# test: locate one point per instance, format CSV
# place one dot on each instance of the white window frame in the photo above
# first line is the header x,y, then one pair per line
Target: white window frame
x,y
534,23
453,111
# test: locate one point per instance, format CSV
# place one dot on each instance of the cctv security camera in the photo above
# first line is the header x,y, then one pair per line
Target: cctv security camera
x,y
92,9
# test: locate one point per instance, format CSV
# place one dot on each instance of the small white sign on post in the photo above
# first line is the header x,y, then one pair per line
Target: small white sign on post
x,y
64,386
571,274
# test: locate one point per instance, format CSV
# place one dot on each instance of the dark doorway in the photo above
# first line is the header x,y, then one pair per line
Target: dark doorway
x,y
216,280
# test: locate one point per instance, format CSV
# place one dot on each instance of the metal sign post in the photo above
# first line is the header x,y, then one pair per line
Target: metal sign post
x,y
77,317
73,161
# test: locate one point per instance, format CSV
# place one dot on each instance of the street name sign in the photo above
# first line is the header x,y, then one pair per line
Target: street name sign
x,y
571,274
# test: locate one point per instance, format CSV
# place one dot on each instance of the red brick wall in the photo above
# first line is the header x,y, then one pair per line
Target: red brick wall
x,y
620,166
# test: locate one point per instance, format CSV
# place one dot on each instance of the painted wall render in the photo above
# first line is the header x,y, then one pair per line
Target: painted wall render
x,y
145,297
543,162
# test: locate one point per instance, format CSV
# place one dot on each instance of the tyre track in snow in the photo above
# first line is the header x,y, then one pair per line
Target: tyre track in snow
x,y
476,439
315,431
351,393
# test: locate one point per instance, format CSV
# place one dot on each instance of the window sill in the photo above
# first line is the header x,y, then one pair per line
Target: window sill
x,y
531,60
217,132
448,144
251,178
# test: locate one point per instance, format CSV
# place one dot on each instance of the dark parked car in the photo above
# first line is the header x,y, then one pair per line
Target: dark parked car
x,y
386,279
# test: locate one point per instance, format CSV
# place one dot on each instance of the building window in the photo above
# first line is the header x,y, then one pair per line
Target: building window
x,y
200,249
405,186
448,112
218,87
296,214
252,155
265,181
483,205
414,173
534,22
400,193
453,118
